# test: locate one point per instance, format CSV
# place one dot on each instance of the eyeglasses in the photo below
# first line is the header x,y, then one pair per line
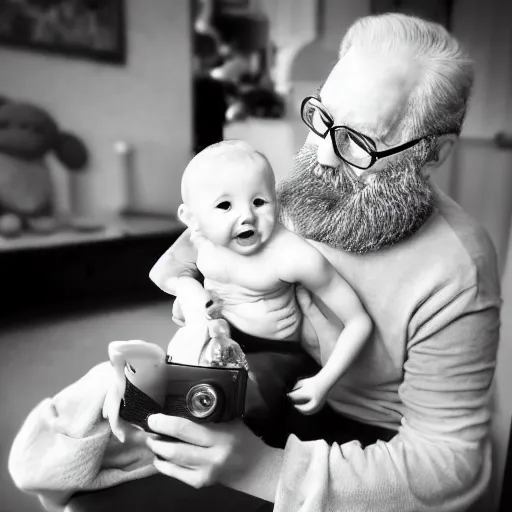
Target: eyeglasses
x,y
352,147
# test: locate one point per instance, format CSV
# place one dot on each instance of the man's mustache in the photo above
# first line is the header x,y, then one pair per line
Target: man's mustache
x,y
357,214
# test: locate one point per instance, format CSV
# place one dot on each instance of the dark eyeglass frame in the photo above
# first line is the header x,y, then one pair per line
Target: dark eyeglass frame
x,y
363,141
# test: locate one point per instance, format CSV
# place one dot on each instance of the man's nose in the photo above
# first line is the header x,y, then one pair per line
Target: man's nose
x,y
325,153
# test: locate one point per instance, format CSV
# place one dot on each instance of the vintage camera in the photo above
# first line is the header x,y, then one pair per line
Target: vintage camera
x,y
199,393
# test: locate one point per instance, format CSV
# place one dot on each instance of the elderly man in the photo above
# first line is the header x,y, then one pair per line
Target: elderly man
x,y
385,118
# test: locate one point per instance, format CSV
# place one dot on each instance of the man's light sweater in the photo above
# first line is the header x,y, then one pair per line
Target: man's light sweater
x,y
426,372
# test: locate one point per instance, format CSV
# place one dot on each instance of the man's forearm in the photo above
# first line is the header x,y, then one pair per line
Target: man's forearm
x,y
178,261
262,478
409,474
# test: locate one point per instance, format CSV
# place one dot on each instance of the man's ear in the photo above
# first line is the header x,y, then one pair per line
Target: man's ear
x,y
444,147
185,215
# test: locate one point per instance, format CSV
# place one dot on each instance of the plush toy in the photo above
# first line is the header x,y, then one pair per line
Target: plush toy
x,y
27,135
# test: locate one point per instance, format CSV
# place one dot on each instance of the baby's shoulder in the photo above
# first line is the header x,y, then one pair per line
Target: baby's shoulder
x,y
292,245
295,255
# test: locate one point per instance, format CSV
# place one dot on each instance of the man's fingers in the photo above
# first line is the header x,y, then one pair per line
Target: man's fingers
x,y
181,429
186,475
181,454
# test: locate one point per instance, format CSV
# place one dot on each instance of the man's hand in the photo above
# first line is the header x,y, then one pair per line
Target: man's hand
x,y
202,455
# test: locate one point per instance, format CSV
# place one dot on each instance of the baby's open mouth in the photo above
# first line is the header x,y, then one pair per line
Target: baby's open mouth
x,y
247,237
246,234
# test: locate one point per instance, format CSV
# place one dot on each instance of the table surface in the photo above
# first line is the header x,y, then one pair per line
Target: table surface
x,y
114,227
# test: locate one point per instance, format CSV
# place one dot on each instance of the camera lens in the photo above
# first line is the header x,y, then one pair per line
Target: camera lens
x,y
202,400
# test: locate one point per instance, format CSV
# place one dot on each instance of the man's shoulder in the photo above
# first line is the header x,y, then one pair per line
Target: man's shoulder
x,y
458,245
459,230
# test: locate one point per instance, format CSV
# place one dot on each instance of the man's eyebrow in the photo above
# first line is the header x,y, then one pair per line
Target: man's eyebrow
x,y
363,128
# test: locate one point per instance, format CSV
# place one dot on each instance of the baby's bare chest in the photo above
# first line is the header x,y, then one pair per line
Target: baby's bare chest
x,y
256,273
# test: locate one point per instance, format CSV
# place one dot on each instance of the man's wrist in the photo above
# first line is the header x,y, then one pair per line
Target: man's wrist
x,y
262,477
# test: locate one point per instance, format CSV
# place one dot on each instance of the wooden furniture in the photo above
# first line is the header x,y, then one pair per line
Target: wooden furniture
x,y
64,268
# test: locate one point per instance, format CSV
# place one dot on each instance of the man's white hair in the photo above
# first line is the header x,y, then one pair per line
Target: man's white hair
x,y
438,103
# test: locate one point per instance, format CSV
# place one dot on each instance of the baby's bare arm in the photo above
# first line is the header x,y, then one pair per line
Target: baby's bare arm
x,y
307,266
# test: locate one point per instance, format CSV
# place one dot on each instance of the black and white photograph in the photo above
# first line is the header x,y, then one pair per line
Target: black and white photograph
x,y
256,255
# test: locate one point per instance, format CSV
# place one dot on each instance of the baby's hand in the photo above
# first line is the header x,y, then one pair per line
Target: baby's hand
x,y
308,395
212,310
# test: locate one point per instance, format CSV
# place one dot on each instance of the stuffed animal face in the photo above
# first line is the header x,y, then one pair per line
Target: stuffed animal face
x,y
26,131
27,135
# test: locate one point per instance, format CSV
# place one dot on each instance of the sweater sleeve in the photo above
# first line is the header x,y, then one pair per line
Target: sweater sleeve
x,y
65,445
440,458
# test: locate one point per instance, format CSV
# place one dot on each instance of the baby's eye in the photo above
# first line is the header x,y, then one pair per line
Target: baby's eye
x,y
259,202
225,205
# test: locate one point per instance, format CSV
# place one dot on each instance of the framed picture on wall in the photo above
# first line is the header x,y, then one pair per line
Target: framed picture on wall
x,y
434,10
92,29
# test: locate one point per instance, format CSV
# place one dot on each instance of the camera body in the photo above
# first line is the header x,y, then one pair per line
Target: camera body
x,y
199,393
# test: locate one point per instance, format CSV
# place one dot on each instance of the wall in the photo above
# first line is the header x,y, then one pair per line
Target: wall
x,y
146,103
481,179
312,64
483,184
316,60
484,29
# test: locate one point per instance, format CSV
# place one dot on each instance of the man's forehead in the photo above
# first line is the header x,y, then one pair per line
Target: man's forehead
x,y
369,92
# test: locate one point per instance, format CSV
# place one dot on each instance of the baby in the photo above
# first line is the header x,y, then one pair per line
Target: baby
x,y
251,264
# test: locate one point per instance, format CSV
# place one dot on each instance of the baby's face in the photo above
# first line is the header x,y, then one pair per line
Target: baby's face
x,y
234,205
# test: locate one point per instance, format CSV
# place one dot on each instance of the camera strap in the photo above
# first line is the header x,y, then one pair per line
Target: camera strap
x,y
137,407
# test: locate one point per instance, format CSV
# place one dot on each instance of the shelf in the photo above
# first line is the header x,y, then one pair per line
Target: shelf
x,y
115,228
53,271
